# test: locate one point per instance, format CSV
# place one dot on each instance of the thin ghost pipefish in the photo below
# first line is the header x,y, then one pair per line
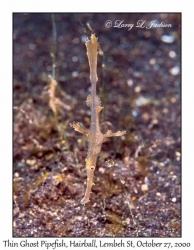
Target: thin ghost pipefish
x,y
94,134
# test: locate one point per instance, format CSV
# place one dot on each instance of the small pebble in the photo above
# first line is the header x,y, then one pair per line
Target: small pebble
x,y
137,74
101,53
101,170
178,154
127,221
174,177
134,113
167,39
49,157
20,165
154,121
165,110
79,141
75,40
137,89
172,54
175,70
146,180
152,61
142,101
74,59
144,187
31,162
83,38
174,199
74,73
173,99
130,82
32,46
94,205
145,116
79,218
149,231
16,175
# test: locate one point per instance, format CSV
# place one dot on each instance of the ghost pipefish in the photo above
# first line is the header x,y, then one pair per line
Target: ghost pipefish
x,y
94,134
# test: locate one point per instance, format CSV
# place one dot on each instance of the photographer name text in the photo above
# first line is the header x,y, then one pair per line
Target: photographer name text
x,y
141,24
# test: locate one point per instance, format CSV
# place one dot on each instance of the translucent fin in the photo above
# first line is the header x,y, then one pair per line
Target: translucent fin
x,y
109,133
89,101
98,109
78,127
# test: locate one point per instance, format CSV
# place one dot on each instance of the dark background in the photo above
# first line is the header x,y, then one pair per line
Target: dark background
x,y
139,86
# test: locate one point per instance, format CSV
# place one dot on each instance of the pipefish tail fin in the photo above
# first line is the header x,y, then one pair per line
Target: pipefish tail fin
x,y
90,177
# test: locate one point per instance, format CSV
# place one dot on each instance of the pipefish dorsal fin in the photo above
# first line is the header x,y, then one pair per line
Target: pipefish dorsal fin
x,y
89,101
